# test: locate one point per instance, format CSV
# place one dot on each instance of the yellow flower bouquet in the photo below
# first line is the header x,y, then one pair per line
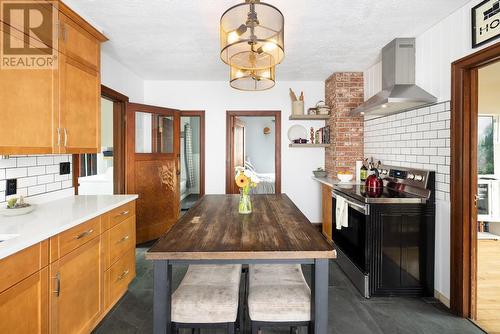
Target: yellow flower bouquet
x,y
245,179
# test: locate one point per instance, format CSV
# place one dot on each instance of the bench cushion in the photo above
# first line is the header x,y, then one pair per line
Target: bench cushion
x,y
207,294
278,293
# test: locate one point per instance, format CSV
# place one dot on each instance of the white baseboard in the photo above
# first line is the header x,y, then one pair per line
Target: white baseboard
x,y
439,296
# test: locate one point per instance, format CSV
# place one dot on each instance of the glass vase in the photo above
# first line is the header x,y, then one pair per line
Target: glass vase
x,y
245,205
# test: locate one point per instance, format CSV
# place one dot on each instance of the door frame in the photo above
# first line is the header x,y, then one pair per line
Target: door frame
x,y
201,115
119,108
277,143
464,106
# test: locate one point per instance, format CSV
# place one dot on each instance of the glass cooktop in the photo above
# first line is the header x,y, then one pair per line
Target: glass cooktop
x,y
379,195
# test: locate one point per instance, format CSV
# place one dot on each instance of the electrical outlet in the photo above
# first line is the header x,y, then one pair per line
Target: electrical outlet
x,y
64,168
11,187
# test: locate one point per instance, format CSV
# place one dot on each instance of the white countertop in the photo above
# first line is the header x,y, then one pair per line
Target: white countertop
x,y
331,182
51,218
487,236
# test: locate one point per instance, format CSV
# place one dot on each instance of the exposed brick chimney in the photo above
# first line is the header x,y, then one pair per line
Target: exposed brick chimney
x,y
344,92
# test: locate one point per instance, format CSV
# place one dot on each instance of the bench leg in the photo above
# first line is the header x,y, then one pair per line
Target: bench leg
x,y
230,328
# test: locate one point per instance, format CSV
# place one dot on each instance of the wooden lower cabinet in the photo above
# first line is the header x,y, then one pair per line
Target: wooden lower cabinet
x,y
68,283
76,301
118,277
326,203
24,306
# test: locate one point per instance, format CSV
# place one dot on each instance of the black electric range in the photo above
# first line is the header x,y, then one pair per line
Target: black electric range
x,y
387,247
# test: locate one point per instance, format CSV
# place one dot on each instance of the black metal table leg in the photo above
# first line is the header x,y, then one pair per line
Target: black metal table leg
x,y
162,297
319,297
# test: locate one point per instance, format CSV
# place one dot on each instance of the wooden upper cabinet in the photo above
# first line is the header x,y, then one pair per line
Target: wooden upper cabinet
x,y
80,114
77,43
54,110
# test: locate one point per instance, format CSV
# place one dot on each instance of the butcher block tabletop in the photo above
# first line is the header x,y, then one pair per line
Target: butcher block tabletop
x,y
213,229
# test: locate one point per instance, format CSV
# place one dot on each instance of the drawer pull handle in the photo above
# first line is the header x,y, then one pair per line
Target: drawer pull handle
x,y
58,284
125,238
84,234
123,275
123,213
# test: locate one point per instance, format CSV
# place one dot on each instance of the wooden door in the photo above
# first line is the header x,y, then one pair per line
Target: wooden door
x,y
153,167
80,113
24,307
238,158
76,298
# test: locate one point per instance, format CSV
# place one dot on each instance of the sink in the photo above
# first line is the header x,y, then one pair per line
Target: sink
x,y
5,237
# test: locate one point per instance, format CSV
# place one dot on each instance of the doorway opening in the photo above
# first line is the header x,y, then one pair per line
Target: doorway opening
x,y
104,172
192,164
253,140
473,189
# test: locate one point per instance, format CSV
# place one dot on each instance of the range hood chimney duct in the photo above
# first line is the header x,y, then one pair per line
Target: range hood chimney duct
x,y
399,91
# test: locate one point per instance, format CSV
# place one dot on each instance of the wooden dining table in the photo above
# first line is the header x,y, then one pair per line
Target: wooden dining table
x,y
213,232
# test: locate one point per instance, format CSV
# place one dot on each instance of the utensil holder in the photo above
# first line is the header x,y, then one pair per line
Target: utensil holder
x,y
297,107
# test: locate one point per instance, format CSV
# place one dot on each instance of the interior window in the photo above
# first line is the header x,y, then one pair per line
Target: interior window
x,y
486,143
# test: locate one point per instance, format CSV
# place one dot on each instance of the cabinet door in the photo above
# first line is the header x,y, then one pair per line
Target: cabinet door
x,y
327,210
80,107
76,300
24,308
28,108
76,43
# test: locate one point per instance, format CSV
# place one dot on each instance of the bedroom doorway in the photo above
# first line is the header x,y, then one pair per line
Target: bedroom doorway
x,y
192,161
253,140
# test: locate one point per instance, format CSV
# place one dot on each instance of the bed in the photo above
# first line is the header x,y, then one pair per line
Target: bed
x,y
267,181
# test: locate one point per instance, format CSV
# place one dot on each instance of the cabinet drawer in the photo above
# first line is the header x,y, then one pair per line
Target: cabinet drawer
x,y
121,239
118,277
65,242
22,264
118,215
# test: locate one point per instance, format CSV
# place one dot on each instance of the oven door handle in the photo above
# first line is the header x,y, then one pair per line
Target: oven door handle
x,y
358,207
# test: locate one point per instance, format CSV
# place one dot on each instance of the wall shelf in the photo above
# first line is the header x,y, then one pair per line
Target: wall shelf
x,y
309,117
308,145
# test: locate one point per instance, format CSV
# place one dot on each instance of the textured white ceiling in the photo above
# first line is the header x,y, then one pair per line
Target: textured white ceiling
x,y
179,39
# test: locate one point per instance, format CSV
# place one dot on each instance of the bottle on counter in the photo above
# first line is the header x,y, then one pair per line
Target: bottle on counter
x,y
363,175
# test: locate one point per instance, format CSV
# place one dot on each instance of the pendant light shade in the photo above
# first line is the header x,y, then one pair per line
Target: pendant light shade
x,y
251,35
252,79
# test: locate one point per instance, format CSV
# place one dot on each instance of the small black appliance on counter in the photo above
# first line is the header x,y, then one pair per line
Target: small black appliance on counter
x,y
388,247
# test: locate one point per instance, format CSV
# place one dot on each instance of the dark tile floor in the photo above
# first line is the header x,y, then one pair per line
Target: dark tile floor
x,y
189,201
348,312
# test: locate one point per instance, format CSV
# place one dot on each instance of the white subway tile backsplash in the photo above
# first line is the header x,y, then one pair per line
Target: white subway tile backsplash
x,y
35,190
35,174
7,163
417,139
26,161
39,170
14,173
45,160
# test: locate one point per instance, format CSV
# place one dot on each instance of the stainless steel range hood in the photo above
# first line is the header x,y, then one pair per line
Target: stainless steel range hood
x,y
399,91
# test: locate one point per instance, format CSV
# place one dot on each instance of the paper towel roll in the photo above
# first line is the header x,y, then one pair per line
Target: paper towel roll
x,y
358,171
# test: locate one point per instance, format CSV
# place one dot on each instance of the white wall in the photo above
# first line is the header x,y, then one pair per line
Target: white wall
x,y
118,77
439,46
259,148
215,97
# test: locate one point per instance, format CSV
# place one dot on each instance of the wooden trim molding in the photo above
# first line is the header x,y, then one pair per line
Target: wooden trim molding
x,y
201,115
119,108
277,143
464,111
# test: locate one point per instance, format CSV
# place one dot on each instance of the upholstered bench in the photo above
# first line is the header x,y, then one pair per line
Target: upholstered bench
x,y
278,296
207,297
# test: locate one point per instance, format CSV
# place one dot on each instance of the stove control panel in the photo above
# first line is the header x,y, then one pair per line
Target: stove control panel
x,y
398,174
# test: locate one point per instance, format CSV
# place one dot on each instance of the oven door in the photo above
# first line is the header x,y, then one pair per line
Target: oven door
x,y
352,239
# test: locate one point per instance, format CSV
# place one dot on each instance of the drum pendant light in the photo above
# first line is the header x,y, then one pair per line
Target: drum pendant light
x,y
252,79
252,36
